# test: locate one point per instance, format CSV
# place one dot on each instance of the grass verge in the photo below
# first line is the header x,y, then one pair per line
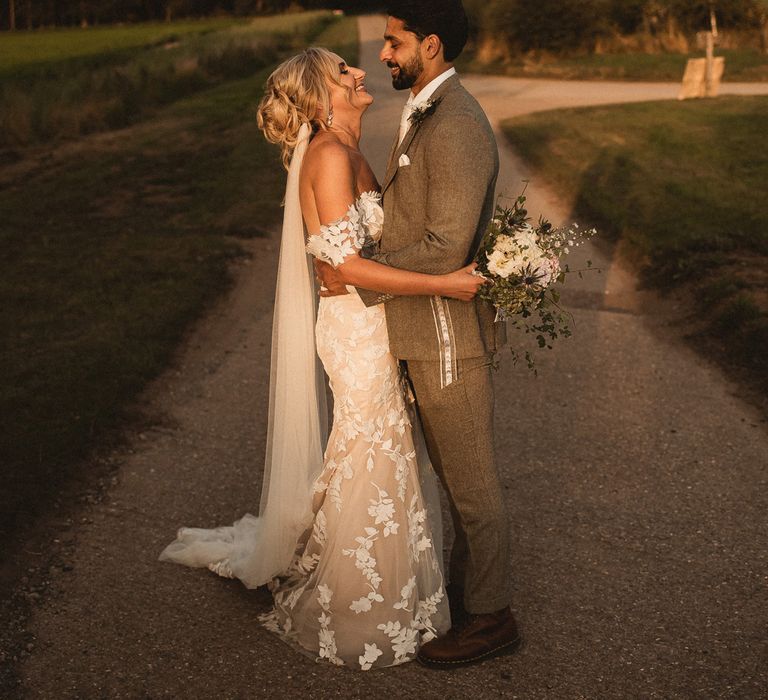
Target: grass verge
x,y
747,65
50,46
680,185
111,248
62,84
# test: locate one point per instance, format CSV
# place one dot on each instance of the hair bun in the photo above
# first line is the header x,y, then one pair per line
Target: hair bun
x,y
297,93
280,120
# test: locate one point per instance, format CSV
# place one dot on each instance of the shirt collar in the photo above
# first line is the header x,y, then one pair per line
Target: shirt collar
x,y
430,88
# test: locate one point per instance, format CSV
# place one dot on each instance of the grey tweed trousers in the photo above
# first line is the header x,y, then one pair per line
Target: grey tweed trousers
x,y
458,428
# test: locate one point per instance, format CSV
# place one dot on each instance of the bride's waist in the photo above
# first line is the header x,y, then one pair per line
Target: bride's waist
x,y
352,292
351,302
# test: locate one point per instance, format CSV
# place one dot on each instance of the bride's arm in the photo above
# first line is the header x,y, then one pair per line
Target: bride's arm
x,y
334,194
368,274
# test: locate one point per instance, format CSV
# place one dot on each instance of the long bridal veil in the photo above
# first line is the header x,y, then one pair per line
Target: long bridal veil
x,y
256,549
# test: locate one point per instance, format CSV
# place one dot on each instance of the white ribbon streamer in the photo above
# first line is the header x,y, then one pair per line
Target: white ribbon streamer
x,y
449,366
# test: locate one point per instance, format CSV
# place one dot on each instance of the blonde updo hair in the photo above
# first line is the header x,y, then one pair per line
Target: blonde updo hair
x,y
297,93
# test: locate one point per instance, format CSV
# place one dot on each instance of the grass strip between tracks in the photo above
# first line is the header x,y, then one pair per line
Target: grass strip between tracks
x,y
681,185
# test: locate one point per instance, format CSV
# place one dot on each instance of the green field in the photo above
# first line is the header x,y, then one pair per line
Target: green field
x,y
112,246
740,65
21,49
681,185
65,83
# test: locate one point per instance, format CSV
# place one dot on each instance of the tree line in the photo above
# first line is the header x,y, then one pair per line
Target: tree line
x,y
521,25
558,26
29,14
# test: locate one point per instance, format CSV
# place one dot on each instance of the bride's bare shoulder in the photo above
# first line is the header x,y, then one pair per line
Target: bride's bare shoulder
x,y
326,155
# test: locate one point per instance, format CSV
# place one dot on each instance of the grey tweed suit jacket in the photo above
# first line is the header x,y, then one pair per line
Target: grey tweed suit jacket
x,y
436,210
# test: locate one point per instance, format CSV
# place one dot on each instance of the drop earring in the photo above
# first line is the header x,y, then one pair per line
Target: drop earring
x,y
329,120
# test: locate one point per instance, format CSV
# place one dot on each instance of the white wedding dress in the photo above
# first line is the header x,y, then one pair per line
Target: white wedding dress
x,y
365,586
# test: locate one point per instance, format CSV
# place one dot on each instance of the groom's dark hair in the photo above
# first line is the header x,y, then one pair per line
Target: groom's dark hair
x,y
445,18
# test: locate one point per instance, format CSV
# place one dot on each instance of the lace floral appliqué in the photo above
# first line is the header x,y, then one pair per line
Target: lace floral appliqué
x,y
359,228
365,588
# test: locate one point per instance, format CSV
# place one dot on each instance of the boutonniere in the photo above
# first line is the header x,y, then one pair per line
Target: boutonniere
x,y
423,111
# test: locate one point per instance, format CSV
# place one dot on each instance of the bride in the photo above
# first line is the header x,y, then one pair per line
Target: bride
x,y
349,540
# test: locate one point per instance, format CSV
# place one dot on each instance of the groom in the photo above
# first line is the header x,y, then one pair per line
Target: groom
x,y
438,198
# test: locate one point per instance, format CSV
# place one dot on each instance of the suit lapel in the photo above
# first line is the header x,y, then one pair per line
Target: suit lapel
x,y
392,150
397,151
395,161
391,164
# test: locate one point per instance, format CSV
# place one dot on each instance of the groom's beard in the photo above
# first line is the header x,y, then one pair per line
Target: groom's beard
x,y
407,75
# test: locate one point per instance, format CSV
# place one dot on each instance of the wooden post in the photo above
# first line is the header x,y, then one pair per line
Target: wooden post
x,y
764,34
761,8
711,88
708,80
12,14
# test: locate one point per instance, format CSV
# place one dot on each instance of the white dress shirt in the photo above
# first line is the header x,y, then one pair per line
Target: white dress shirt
x,y
415,101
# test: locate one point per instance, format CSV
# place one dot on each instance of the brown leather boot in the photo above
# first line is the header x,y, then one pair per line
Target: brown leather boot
x,y
481,637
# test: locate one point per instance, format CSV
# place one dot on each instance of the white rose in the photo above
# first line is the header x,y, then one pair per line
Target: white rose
x,y
499,264
505,244
526,238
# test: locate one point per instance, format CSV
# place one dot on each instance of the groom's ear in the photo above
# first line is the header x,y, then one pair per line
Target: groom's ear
x,y
432,46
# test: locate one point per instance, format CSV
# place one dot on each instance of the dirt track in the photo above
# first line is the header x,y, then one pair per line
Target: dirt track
x,y
635,475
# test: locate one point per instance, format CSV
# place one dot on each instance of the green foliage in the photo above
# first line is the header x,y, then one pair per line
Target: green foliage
x,y
90,12
739,312
548,25
529,25
627,16
568,26
693,15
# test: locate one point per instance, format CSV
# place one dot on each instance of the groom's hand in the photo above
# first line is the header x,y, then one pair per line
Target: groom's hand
x,y
330,279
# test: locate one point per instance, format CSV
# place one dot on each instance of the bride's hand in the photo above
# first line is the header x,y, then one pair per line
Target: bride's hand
x,y
331,283
462,284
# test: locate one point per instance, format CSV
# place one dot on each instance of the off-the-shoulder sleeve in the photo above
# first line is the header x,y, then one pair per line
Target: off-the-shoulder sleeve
x,y
338,240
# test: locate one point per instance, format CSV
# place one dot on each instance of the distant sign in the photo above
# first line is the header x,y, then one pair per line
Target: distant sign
x,y
695,82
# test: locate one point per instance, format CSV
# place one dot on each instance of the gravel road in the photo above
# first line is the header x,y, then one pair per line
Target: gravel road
x,y
635,476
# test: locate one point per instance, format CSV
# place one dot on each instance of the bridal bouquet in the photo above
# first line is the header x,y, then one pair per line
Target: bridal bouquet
x,y
523,265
